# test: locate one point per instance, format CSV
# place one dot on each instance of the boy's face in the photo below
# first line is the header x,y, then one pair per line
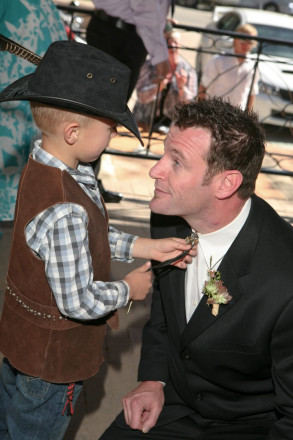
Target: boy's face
x,y
242,47
94,138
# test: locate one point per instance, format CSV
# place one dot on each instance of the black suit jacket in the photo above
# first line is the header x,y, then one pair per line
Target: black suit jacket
x,y
237,367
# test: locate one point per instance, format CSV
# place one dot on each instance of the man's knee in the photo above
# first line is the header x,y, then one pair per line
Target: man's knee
x,y
118,430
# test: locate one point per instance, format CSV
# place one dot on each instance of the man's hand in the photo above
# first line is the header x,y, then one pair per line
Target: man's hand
x,y
143,405
166,248
161,70
181,78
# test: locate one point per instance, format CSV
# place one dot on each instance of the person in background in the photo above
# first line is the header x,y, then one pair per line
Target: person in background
x,y
129,30
231,77
34,24
180,84
216,358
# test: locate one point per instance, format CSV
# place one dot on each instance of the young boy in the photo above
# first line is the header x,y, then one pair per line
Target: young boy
x,y
58,297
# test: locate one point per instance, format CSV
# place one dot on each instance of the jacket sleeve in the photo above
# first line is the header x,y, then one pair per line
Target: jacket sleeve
x,y
282,373
154,353
154,362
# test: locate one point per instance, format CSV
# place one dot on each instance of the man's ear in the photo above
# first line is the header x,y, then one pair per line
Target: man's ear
x,y
229,182
71,133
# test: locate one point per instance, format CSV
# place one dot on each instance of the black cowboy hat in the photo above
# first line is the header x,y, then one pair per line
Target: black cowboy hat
x,y
78,77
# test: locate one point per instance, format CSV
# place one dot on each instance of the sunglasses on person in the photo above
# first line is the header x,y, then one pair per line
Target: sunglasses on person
x,y
248,42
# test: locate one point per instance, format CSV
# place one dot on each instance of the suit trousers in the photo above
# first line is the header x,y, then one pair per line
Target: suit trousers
x,y
186,428
126,46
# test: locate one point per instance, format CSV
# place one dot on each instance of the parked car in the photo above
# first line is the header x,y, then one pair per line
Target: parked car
x,y
197,4
274,103
285,6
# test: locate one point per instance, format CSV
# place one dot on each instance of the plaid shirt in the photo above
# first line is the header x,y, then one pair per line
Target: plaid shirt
x,y
59,237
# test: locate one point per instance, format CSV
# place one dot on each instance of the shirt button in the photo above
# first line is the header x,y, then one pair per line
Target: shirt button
x,y
198,396
187,356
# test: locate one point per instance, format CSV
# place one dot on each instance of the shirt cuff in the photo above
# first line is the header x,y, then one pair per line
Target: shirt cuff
x,y
121,245
123,295
159,56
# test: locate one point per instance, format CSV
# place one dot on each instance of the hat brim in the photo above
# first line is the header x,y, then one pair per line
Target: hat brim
x,y
19,91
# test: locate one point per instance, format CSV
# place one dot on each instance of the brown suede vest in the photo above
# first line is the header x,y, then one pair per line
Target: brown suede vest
x,y
34,336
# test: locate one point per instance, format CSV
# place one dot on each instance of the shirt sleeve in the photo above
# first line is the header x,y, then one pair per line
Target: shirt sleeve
x,y
210,72
146,90
190,89
59,237
121,245
150,20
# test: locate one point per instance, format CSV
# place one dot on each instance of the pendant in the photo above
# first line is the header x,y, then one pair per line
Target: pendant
x,y
192,239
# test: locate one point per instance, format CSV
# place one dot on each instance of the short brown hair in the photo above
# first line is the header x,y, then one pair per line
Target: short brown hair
x,y
237,138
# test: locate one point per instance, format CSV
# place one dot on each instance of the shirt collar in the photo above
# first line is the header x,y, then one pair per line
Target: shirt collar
x,y
217,243
83,174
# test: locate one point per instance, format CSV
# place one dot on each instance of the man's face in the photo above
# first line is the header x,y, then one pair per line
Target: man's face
x,y
173,44
179,174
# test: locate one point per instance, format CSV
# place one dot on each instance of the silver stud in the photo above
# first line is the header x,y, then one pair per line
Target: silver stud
x,y
28,309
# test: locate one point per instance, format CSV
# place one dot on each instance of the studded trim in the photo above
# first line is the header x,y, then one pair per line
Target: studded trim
x,y
32,311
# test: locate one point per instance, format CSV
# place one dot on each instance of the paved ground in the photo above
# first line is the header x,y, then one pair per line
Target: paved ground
x,y
101,397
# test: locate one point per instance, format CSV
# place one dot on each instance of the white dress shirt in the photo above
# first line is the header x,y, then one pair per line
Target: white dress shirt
x,y
211,249
225,77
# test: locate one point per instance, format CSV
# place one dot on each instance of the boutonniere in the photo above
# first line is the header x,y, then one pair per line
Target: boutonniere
x,y
215,290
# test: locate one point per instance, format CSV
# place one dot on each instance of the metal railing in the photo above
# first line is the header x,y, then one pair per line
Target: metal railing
x,y
76,11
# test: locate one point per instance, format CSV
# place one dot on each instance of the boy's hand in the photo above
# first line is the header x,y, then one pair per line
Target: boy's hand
x,y
164,249
139,282
167,248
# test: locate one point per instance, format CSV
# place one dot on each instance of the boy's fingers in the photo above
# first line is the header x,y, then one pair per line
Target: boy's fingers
x,y
145,267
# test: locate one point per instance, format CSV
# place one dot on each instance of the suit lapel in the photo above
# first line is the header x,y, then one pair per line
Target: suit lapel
x,y
172,279
203,318
235,265
177,287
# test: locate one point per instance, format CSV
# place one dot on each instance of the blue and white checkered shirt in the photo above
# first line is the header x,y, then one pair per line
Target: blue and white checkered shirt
x,y
59,237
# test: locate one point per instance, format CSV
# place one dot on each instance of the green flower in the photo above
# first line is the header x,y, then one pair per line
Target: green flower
x,y
211,289
216,291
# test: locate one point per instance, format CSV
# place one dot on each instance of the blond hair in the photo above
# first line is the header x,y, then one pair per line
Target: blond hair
x,y
246,29
48,118
249,30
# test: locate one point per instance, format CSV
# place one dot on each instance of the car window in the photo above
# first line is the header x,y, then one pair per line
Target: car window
x,y
229,22
275,32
